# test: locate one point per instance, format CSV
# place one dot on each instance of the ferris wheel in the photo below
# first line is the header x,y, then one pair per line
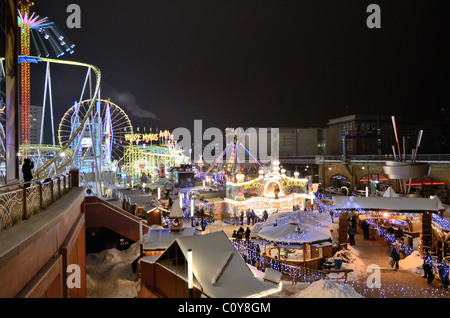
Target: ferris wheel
x,y
106,130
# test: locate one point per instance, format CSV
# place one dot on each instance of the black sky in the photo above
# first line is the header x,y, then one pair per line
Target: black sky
x,y
261,63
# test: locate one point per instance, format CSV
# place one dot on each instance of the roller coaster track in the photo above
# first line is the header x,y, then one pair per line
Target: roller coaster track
x,y
44,170
64,160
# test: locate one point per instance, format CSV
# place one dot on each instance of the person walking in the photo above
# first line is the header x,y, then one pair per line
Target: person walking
x,y
443,274
265,215
351,235
365,228
247,234
426,266
395,257
353,222
27,166
399,234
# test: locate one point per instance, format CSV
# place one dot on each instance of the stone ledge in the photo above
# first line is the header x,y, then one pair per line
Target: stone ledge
x,y
18,237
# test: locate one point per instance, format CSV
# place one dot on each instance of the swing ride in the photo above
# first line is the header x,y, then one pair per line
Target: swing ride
x,y
271,191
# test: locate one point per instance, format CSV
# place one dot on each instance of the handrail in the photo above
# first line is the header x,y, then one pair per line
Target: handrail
x,y
37,181
67,158
26,200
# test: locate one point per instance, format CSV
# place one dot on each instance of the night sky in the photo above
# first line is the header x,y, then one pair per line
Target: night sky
x,y
256,63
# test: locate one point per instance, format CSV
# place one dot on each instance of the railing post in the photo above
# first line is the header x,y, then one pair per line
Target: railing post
x,y
24,205
40,196
75,175
51,188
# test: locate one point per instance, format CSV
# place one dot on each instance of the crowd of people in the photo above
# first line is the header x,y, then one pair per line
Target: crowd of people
x,y
241,233
434,267
251,217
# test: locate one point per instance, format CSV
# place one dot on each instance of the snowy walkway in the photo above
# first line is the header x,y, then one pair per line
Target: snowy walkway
x,y
403,283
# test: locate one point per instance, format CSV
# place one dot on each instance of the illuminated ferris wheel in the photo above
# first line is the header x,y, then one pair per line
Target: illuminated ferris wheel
x,y
104,135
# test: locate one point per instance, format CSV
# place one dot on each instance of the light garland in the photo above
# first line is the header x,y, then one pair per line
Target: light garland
x,y
253,256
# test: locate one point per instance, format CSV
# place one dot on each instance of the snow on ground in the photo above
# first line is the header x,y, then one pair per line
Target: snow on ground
x,y
351,260
413,263
109,273
447,211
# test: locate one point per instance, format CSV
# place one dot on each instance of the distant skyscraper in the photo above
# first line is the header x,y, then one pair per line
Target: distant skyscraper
x,y
35,124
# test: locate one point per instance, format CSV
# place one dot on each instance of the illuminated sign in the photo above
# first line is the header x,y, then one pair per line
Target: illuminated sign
x,y
86,142
141,137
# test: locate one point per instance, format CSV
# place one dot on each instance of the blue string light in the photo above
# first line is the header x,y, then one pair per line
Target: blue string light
x,y
254,256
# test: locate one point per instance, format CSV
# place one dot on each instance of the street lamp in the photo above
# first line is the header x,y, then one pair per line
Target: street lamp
x,y
192,212
190,274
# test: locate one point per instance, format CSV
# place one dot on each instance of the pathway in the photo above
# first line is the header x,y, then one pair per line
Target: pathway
x,y
394,284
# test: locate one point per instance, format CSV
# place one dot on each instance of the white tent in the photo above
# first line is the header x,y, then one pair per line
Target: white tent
x,y
297,228
404,204
390,193
295,233
219,269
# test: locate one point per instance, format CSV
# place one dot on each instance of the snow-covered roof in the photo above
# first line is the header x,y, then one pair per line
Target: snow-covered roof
x,y
175,210
220,270
386,203
440,205
153,206
160,239
161,181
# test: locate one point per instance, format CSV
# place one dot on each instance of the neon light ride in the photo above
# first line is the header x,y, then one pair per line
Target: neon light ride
x,y
103,137
39,31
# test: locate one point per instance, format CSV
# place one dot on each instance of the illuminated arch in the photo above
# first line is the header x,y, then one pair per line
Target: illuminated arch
x,y
281,194
339,180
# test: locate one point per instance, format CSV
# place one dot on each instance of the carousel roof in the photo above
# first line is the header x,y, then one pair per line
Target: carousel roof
x,y
297,228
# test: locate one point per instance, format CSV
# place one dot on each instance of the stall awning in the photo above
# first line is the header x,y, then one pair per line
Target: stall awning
x,y
323,244
399,204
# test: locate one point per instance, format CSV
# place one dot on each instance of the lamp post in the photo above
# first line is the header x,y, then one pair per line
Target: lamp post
x,y
190,274
141,238
181,199
192,212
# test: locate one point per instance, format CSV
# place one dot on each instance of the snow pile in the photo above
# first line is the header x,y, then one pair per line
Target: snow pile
x,y
351,260
413,263
109,273
345,255
328,289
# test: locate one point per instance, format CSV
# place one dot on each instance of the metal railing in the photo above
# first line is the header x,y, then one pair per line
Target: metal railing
x,y
388,157
28,198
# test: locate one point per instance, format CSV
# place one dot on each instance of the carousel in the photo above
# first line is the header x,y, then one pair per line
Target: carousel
x,y
271,192
301,238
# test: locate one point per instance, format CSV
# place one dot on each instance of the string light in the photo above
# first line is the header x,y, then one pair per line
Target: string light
x,y
250,251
